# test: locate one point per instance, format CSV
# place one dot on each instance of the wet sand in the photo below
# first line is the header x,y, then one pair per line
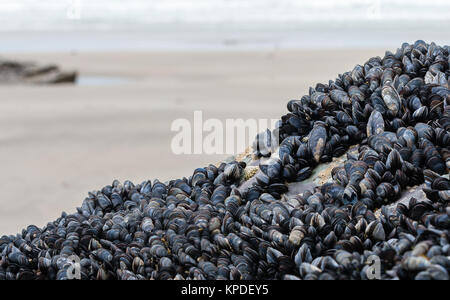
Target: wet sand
x,y
59,142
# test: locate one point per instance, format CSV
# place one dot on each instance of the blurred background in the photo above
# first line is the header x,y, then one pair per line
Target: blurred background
x,y
144,63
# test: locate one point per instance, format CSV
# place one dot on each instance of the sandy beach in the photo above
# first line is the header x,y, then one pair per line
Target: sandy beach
x,y
59,142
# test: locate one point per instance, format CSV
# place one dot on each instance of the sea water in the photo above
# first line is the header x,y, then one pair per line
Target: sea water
x,y
54,25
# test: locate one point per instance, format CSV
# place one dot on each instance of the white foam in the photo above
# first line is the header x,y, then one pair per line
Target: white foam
x,y
110,14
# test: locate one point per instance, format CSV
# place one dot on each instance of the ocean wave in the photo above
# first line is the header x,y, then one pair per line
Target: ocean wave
x,y
113,14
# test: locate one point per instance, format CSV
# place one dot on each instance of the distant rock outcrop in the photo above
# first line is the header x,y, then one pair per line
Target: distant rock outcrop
x,y
13,72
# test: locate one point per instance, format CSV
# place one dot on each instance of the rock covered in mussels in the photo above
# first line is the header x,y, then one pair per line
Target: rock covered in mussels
x,y
222,223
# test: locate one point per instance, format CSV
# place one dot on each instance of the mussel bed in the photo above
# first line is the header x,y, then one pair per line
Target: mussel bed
x,y
395,109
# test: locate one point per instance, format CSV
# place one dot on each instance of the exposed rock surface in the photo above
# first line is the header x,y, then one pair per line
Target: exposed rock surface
x,y
321,175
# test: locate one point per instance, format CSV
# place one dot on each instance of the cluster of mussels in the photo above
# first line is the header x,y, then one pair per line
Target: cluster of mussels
x,y
396,112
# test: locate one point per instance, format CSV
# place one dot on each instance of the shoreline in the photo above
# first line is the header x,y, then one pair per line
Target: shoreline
x,y
162,39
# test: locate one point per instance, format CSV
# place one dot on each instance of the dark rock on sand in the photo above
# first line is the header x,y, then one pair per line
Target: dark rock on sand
x,y
13,72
